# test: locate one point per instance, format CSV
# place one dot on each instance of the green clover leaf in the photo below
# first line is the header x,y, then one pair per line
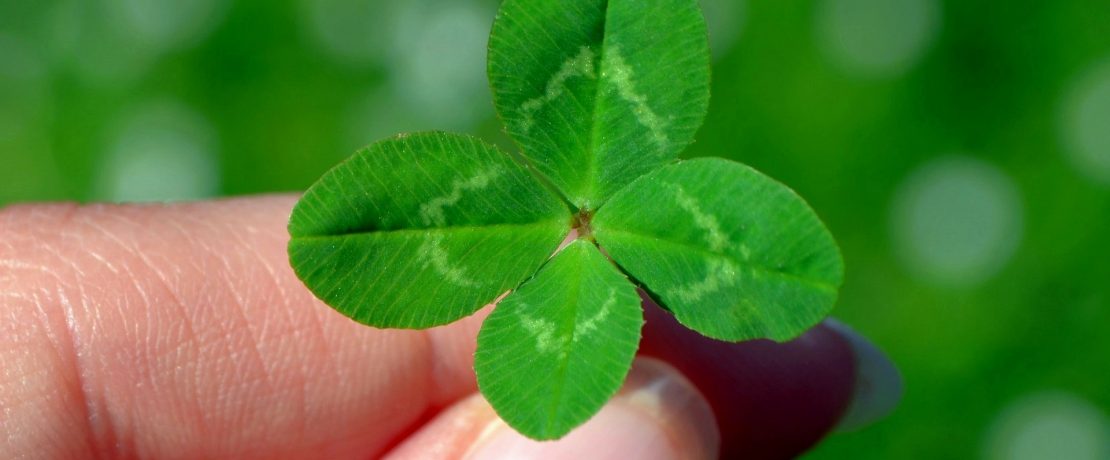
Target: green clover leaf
x,y
601,96
732,253
597,93
555,350
421,230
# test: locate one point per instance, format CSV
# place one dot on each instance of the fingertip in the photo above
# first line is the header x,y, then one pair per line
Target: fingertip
x,y
452,362
658,414
199,300
451,433
771,400
879,385
660,391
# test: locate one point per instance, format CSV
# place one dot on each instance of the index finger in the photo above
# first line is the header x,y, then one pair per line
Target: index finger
x,y
179,330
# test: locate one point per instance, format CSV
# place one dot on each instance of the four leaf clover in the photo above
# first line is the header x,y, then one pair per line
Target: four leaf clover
x,y
601,96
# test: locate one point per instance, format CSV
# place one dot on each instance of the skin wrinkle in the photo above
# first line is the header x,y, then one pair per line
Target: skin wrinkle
x,y
104,427
259,260
262,262
26,375
419,380
323,340
252,348
43,317
283,337
18,265
186,337
136,285
61,344
439,374
226,329
101,435
257,330
21,347
255,348
349,408
105,262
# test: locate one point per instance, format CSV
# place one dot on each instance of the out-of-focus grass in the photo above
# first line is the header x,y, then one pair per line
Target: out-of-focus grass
x,y
844,100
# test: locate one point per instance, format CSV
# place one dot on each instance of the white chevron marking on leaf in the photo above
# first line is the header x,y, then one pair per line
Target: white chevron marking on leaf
x,y
431,213
719,275
435,256
620,73
581,65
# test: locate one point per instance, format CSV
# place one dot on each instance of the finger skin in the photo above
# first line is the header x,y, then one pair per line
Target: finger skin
x,y
771,400
181,332
658,414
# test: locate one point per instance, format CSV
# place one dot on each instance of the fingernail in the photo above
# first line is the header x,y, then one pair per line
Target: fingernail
x,y
878,383
657,415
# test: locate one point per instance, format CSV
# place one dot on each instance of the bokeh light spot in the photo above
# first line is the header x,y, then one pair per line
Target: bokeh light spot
x,y
93,41
1086,126
725,19
353,31
1049,426
23,90
957,221
876,38
18,60
440,61
29,168
434,52
169,24
163,152
378,115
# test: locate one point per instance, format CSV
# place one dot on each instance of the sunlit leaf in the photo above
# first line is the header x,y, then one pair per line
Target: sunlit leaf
x,y
599,92
601,96
421,230
553,352
732,253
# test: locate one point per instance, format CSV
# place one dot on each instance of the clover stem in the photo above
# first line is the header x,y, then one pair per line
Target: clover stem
x,y
582,224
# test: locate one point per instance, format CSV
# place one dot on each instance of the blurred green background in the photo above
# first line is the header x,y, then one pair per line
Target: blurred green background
x,y
959,151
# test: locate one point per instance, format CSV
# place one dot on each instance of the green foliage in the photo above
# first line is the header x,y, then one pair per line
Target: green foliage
x,y
732,253
597,92
556,349
420,230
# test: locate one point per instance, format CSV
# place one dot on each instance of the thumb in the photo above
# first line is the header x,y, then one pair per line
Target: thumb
x,y
657,415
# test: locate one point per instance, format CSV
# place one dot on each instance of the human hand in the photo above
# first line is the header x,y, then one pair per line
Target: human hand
x,y
179,331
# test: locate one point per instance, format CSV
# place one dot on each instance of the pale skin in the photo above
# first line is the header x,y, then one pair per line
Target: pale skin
x,y
179,331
